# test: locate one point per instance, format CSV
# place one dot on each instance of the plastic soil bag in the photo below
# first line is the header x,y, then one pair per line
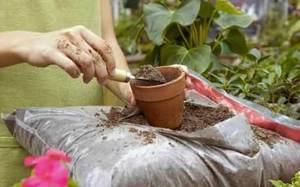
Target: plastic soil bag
x,y
111,147
256,114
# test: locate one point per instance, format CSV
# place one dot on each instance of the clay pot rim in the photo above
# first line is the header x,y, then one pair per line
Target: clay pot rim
x,y
164,84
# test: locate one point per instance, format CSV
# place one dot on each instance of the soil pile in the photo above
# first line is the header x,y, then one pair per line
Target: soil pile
x,y
150,73
196,117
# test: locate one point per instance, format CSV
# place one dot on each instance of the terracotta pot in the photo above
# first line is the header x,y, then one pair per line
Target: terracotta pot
x,y
162,104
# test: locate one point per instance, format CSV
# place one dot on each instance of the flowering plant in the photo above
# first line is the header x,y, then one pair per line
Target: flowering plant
x,y
49,170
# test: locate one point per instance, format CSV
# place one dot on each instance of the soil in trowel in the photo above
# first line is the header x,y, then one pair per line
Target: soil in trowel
x,y
150,73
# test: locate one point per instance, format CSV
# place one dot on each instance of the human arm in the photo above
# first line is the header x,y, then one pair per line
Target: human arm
x,y
76,50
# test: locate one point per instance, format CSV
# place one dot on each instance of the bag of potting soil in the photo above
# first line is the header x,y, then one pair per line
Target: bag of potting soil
x,y
115,146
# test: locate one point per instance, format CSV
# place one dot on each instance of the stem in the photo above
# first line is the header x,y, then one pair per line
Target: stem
x,y
183,37
210,21
211,18
195,34
217,41
167,40
191,36
204,34
200,34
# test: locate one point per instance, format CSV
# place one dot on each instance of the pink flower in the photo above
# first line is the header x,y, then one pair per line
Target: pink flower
x,y
49,170
50,154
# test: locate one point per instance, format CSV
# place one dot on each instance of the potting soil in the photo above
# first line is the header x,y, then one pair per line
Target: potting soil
x,y
196,117
148,72
108,152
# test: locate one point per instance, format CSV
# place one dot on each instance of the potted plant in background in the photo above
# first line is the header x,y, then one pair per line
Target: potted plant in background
x,y
199,34
186,33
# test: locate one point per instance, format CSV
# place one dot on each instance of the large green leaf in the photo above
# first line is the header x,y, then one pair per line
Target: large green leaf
x,y
237,42
158,18
294,28
198,59
206,9
227,6
226,21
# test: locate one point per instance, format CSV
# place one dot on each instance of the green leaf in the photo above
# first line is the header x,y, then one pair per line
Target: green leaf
x,y
206,9
225,49
227,6
153,57
278,183
226,21
215,64
221,80
72,183
278,70
221,48
237,42
198,59
294,28
254,54
293,74
157,18
17,185
234,78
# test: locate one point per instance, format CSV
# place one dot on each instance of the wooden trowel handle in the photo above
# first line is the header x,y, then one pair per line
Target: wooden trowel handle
x,y
121,75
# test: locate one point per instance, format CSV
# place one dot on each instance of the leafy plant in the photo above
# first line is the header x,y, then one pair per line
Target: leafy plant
x,y
197,33
294,183
272,80
185,34
128,31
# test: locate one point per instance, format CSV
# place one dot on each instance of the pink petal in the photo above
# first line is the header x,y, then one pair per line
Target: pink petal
x,y
33,182
52,172
58,155
60,177
30,160
47,166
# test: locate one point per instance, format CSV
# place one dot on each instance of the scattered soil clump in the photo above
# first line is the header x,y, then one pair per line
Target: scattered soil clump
x,y
267,136
148,72
147,136
113,117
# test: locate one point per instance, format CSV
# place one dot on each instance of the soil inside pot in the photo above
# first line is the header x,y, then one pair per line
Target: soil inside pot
x,y
152,74
196,117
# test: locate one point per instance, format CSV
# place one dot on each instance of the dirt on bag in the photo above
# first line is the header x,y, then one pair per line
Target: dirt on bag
x,y
196,117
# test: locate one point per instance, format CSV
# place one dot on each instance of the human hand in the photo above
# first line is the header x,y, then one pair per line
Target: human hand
x,y
76,50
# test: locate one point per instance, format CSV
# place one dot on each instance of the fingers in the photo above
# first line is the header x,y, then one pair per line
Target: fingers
x,y
100,46
83,60
82,43
101,72
64,63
